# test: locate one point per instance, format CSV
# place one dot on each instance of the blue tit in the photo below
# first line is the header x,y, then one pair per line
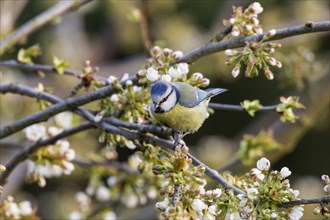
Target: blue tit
x,y
180,106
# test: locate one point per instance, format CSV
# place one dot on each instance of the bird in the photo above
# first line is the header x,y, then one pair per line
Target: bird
x,y
180,106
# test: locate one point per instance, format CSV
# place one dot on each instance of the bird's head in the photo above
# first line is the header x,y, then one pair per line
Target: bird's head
x,y
164,96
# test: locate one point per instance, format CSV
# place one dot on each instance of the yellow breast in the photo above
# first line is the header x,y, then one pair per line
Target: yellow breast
x,y
183,119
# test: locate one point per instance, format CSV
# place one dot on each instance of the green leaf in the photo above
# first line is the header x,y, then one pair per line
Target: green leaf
x,y
251,106
59,65
26,55
287,106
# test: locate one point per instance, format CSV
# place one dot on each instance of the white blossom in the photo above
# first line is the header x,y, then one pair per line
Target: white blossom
x,y
112,180
243,199
130,200
285,172
64,119
235,32
177,54
102,193
272,32
233,216
166,78
162,205
152,192
201,189
198,205
90,190
232,20
230,52
256,7
98,117
35,132
208,216
212,209
52,131
129,82
252,193
25,208
273,215
137,89
165,184
55,170
110,215
114,98
124,77
152,74
296,212
69,167
257,173
263,164
130,144
134,161
248,27
75,215
13,210
112,79
174,73
63,145
183,68
259,30
83,199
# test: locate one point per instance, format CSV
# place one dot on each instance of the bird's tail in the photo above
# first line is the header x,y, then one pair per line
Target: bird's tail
x,y
214,91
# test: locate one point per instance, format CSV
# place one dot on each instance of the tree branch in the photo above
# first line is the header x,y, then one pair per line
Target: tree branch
x,y
212,47
37,22
70,103
321,200
143,21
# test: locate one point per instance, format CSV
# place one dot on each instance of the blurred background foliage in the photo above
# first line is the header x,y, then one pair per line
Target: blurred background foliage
x,y
102,33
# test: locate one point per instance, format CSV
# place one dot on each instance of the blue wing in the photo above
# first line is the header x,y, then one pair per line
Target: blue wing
x,y
191,96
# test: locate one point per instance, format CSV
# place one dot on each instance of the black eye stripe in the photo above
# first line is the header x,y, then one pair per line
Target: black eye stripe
x,y
165,99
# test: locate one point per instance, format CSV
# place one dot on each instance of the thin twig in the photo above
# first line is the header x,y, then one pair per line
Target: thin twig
x,y
22,155
213,47
46,68
37,22
228,107
321,200
222,34
144,26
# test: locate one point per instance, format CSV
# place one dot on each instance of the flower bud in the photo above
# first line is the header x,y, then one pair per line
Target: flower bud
x,y
235,72
156,51
177,55
158,169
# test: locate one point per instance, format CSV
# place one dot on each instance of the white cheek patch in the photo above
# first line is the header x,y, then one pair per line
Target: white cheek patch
x,y
169,103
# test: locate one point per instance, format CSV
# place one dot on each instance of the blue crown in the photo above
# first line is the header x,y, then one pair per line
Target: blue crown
x,y
159,88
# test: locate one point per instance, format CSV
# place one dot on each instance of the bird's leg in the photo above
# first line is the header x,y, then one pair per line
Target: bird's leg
x,y
178,136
